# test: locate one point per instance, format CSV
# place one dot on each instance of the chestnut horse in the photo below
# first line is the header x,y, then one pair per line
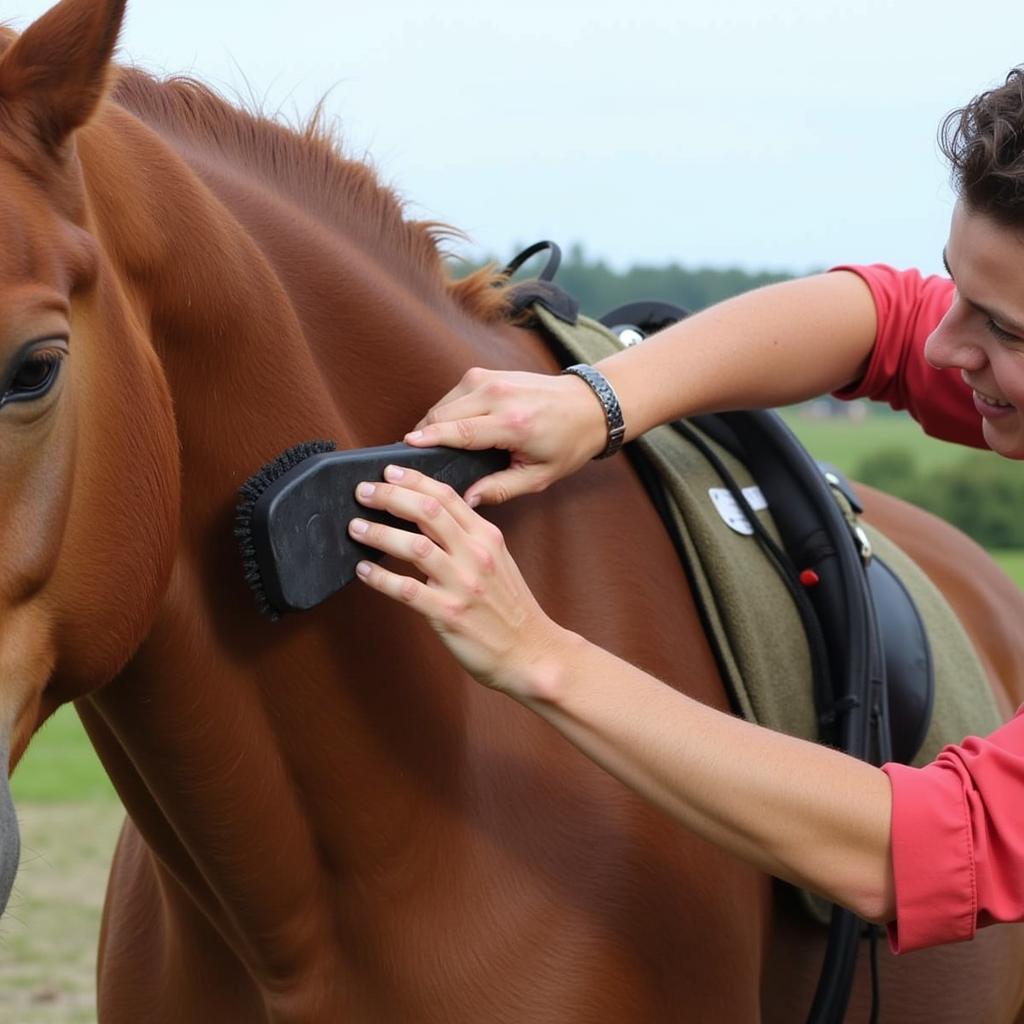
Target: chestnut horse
x,y
327,820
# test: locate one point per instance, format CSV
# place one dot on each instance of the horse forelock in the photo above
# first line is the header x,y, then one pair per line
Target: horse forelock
x,y
308,164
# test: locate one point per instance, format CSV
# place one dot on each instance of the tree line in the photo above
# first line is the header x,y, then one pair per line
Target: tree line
x,y
600,288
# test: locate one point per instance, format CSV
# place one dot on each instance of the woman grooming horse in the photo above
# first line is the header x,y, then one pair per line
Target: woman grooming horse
x,y
327,820
934,852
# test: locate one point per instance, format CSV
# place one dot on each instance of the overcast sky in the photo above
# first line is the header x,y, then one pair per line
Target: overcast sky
x,y
786,135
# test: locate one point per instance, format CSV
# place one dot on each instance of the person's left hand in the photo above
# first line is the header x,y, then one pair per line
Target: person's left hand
x,y
474,595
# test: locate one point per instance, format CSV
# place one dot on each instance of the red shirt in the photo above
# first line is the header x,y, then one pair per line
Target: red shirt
x,y
957,832
909,308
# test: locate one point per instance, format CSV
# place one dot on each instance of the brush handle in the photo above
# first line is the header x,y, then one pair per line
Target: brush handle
x,y
300,524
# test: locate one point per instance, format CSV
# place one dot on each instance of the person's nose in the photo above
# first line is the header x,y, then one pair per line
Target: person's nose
x,y
952,343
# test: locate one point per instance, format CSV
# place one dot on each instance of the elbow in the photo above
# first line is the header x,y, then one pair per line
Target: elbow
x,y
875,904
867,888
875,913
871,883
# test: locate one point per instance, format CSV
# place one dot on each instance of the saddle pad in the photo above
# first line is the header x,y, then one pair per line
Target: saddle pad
x,y
755,624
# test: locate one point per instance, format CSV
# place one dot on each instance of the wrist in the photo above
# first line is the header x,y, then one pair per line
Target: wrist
x,y
546,675
611,411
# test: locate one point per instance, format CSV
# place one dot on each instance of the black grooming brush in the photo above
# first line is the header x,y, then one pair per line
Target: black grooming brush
x,y
292,516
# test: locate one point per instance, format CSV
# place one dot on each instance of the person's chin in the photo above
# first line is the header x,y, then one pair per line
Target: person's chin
x,y
1005,438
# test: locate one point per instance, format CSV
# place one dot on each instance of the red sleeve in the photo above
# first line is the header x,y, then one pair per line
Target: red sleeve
x,y
957,840
909,308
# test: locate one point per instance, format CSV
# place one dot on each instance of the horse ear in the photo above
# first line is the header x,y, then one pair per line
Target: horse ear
x,y
56,71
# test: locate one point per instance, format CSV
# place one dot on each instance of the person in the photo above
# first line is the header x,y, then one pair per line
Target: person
x,y
933,852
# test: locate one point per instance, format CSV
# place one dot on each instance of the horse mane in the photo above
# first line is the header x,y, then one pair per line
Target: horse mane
x,y
307,165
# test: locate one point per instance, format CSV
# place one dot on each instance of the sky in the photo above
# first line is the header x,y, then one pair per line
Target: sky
x,y
784,136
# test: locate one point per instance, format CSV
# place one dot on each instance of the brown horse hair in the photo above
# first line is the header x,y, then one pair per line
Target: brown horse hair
x,y
309,164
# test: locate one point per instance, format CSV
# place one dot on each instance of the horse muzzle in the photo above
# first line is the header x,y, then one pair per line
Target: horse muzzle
x,y
10,841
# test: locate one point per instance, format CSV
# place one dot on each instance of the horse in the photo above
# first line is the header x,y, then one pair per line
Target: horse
x,y
326,819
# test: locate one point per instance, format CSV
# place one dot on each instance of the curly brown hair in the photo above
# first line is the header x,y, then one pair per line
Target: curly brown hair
x,y
984,143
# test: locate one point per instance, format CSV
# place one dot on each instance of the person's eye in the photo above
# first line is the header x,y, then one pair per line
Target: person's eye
x,y
997,332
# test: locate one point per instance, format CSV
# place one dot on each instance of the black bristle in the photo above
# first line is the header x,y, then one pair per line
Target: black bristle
x,y
248,494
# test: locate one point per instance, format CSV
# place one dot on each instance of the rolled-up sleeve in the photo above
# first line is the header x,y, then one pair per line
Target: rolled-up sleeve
x,y
909,307
958,840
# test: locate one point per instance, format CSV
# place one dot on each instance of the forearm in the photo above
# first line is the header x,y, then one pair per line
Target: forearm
x,y
774,346
796,810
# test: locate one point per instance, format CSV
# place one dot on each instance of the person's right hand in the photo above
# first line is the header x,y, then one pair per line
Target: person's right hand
x,y
550,424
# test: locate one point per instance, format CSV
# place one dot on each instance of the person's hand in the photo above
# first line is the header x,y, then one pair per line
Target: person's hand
x,y
550,424
474,595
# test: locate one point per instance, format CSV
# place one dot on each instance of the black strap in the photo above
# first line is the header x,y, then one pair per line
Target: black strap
x,y
550,268
841,713
859,691
794,483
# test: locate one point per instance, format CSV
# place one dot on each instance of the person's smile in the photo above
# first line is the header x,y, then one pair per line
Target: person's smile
x,y
988,405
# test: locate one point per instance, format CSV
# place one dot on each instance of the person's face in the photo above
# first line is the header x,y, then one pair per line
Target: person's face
x,y
983,333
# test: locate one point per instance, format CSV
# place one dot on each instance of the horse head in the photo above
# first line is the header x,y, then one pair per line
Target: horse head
x,y
88,455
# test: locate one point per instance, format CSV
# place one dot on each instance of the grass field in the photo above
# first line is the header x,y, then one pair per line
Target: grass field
x,y
69,817
1012,563
49,933
845,444
60,766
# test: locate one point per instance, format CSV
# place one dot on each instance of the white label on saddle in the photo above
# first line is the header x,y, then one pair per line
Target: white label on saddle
x,y
731,513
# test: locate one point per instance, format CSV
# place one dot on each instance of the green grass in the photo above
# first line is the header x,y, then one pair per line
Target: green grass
x,y
48,937
60,765
1012,563
845,443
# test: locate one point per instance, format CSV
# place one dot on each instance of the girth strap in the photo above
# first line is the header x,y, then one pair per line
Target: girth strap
x,y
790,479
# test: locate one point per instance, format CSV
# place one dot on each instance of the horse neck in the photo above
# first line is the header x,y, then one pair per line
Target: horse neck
x,y
271,329
273,326
245,285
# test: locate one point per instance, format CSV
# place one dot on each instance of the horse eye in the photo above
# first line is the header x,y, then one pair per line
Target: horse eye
x,y
34,378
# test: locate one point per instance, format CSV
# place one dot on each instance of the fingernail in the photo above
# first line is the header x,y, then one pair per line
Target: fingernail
x,y
365,490
363,570
473,500
359,526
394,473
414,436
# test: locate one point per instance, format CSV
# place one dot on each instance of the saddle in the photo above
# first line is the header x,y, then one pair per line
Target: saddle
x,y
871,662
848,597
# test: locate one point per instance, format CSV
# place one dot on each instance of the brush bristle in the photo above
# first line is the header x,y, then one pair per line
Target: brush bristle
x,y
248,494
